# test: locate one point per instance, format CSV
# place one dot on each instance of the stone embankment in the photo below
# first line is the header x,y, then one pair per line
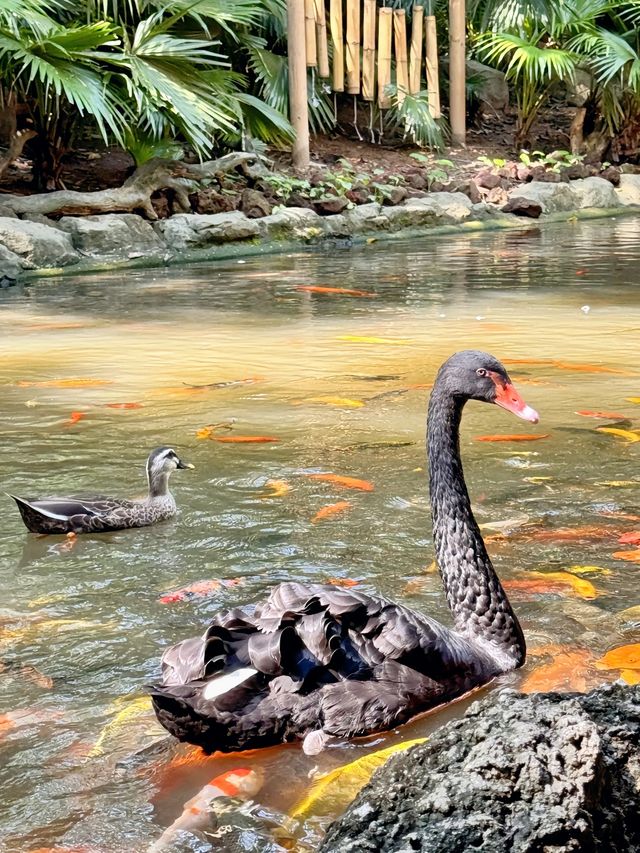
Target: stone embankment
x,y
35,242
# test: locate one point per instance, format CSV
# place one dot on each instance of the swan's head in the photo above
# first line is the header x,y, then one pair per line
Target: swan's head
x,y
476,375
164,460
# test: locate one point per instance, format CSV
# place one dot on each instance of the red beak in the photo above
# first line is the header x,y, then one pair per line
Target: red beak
x,y
508,398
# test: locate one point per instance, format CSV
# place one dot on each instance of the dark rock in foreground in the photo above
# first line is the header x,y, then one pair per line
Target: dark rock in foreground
x,y
523,207
544,773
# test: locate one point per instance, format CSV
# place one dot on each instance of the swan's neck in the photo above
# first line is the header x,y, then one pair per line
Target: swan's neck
x,y
158,483
479,604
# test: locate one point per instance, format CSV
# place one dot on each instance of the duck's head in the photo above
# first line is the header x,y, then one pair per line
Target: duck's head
x,y
475,375
164,460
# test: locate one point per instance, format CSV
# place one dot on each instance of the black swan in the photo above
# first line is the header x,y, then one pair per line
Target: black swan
x,y
317,663
98,513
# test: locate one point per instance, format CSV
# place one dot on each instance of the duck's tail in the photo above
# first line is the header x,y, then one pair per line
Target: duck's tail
x,y
36,518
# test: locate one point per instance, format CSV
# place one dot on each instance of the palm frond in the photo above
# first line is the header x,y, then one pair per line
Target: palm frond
x,y
412,115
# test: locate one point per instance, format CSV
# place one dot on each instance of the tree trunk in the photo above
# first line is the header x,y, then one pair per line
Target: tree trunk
x,y
134,194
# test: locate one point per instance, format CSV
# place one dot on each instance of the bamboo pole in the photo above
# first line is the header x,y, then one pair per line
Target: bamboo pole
x,y
353,46
310,33
337,42
433,80
369,50
298,107
400,50
415,55
321,39
457,95
385,21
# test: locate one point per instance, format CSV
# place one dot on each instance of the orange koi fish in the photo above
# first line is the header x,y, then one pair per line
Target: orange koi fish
x,y
585,533
338,291
331,509
624,657
243,439
628,556
344,582
631,538
613,416
123,405
242,782
65,383
200,589
75,417
346,482
548,582
230,383
568,671
514,437
590,368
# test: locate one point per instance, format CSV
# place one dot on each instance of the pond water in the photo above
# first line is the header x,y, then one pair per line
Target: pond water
x,y
341,381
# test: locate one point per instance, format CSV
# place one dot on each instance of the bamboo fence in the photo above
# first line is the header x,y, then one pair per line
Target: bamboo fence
x,y
352,56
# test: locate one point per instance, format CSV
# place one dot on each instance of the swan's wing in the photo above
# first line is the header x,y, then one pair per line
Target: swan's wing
x,y
310,656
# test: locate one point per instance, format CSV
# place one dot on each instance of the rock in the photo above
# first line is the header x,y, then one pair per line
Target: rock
x,y
524,173
10,265
577,170
509,171
42,219
393,195
470,189
289,223
364,219
255,204
489,86
487,179
194,231
628,190
417,181
330,204
210,201
359,195
482,211
523,207
611,174
497,195
595,192
542,773
630,169
110,233
553,198
6,211
300,201
448,207
37,245
544,175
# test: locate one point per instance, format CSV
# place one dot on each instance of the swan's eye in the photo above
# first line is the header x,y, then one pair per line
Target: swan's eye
x,y
481,372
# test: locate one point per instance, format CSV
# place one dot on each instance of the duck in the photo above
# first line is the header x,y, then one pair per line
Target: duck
x,y
98,514
321,664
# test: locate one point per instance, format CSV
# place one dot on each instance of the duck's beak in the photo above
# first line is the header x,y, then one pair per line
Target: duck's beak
x,y
182,464
508,398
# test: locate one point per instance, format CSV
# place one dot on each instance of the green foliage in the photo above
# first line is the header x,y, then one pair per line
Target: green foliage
x,y
437,170
146,72
493,162
411,114
554,162
540,43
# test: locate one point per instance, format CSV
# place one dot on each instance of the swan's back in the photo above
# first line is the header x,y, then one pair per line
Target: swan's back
x,y
310,658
